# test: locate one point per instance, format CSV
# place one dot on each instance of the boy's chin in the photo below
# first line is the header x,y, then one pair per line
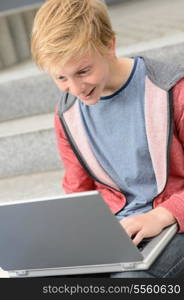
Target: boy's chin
x,y
90,101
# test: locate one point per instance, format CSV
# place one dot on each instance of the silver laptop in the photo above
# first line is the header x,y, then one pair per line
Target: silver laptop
x,y
67,235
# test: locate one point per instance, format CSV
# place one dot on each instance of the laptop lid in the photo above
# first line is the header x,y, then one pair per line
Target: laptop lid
x,y
68,231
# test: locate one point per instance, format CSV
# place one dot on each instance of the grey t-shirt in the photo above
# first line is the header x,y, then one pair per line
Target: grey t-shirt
x,y
115,128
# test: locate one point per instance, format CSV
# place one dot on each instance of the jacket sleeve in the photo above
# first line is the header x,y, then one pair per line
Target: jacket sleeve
x,y
175,203
75,178
178,94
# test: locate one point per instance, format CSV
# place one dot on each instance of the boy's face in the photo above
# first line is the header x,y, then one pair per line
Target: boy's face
x,y
87,77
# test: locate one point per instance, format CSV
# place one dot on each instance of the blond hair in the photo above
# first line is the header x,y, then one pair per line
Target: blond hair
x,y
64,29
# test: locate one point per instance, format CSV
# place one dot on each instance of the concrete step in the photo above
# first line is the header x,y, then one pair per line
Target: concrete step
x,y
31,186
168,48
20,71
25,91
28,145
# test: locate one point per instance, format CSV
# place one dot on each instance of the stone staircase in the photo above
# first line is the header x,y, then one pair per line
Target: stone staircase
x,y
16,19
27,139
30,165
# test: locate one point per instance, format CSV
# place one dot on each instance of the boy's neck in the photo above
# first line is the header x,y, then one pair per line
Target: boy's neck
x,y
120,70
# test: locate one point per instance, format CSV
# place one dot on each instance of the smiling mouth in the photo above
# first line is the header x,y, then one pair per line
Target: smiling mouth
x,y
90,92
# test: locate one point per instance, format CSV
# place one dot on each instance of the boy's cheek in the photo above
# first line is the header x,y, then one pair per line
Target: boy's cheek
x,y
60,86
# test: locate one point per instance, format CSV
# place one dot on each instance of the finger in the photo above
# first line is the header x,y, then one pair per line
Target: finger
x,y
131,230
138,237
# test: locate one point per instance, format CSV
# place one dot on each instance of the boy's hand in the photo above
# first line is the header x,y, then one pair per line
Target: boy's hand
x,y
148,224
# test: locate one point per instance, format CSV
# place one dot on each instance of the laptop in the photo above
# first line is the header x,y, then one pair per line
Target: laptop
x,y
69,235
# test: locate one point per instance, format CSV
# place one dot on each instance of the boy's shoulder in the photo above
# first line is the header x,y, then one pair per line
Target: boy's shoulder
x,y
163,74
65,102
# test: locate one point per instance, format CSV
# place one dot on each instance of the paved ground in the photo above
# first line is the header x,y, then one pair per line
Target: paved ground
x,y
137,21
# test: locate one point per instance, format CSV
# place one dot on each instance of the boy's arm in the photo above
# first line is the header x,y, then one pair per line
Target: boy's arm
x,y
175,203
75,178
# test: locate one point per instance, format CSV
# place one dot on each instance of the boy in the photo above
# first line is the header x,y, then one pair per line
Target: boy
x,y
119,124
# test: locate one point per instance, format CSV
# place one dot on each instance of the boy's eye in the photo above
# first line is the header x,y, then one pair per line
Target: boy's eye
x,y
61,78
83,72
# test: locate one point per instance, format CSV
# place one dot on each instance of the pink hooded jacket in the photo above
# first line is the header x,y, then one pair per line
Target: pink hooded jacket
x,y
164,115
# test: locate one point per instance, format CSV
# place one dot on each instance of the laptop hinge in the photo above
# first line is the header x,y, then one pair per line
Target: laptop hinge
x,y
128,265
22,273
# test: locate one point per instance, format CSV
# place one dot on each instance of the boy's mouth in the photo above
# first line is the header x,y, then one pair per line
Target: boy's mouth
x,y
89,95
